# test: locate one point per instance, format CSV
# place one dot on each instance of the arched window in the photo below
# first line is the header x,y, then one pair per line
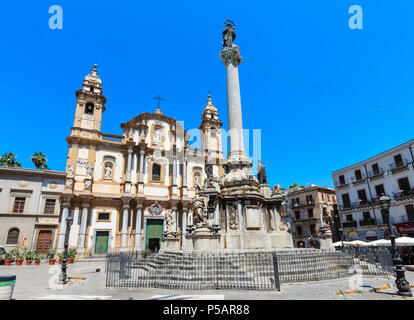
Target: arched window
x,y
13,236
89,108
156,172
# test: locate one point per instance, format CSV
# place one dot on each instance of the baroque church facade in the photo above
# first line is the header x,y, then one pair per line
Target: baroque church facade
x,y
122,190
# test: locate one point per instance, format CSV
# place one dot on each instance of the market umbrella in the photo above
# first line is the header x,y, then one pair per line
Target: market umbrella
x,y
404,241
358,243
381,242
339,243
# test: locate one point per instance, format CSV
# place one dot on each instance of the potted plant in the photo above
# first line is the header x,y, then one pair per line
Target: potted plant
x,y
61,255
29,256
7,258
71,255
52,256
18,254
37,259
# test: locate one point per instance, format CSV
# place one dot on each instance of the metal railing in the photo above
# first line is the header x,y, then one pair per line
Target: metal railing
x,y
399,165
367,222
371,261
241,271
231,271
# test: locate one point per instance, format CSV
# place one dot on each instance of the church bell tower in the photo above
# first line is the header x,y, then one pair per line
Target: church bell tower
x,y
210,131
90,105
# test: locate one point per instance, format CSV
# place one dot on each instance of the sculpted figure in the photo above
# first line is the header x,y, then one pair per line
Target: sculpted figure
x,y
261,173
169,220
70,171
108,171
228,34
200,213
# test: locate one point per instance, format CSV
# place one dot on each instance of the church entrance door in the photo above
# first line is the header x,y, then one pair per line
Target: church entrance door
x,y
153,234
101,242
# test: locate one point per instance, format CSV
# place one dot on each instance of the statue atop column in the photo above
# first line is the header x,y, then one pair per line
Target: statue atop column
x,y
261,173
228,34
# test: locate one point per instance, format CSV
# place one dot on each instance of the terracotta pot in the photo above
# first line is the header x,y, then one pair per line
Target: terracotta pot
x,y
52,261
28,262
37,262
19,262
7,262
60,261
70,260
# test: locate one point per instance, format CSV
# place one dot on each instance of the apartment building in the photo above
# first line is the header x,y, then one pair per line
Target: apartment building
x,y
307,206
359,186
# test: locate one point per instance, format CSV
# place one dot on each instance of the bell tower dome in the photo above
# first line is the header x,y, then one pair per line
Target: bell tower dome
x,y
210,128
90,104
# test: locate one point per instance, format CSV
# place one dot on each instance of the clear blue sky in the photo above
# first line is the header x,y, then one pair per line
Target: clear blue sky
x,y
324,96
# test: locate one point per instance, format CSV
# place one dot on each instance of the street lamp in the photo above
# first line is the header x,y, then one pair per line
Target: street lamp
x,y
62,276
402,284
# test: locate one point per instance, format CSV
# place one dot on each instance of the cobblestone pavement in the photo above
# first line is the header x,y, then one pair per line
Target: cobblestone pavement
x,y
33,282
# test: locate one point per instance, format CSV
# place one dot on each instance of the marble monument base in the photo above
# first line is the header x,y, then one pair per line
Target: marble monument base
x,y
325,238
258,240
203,239
170,243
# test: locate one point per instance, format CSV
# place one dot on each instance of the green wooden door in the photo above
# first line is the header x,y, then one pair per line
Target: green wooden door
x,y
101,242
153,230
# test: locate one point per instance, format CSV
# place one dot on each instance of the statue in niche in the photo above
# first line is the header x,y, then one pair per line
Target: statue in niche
x,y
88,184
70,171
108,170
261,172
197,181
157,136
69,183
169,221
89,172
233,218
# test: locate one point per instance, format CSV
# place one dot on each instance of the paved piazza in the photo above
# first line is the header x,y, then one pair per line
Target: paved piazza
x,y
33,283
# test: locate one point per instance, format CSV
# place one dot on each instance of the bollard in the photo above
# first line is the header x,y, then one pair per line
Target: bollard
x,y
7,287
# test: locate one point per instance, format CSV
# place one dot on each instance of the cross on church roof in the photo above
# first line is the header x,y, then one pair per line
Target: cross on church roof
x,y
158,97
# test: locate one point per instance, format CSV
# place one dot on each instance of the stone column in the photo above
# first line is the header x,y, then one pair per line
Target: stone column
x,y
184,226
240,214
138,228
84,221
62,230
185,172
124,226
190,217
216,214
141,166
174,178
176,220
128,175
167,173
134,167
231,58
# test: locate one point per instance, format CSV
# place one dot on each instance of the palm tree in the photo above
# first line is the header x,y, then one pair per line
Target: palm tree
x,y
8,159
39,160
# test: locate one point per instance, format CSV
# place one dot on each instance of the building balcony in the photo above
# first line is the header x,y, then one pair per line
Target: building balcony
x,y
111,138
349,224
403,194
340,185
303,218
376,175
356,181
368,222
303,203
398,167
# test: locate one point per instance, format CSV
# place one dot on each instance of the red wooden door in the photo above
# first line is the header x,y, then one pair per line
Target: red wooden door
x,y
44,241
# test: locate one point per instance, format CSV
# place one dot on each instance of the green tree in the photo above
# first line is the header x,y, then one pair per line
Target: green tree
x,y
9,160
295,185
39,160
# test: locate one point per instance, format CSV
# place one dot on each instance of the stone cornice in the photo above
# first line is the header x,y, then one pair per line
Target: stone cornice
x,y
33,172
